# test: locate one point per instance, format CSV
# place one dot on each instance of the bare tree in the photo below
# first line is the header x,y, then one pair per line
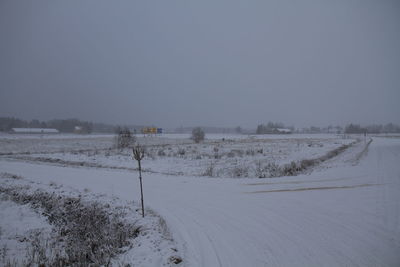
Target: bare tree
x,y
124,138
138,154
197,134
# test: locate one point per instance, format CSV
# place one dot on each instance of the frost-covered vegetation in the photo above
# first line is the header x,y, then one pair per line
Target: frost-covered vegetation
x,y
85,232
237,156
72,229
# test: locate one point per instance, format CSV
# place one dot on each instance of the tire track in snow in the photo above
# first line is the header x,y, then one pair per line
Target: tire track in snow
x,y
312,188
311,228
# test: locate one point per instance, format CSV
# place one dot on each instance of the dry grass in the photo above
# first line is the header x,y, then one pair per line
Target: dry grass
x,y
86,233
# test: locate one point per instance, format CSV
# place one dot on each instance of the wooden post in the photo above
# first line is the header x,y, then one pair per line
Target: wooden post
x,y
141,187
138,154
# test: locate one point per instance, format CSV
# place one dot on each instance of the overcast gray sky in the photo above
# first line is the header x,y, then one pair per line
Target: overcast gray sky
x,y
216,63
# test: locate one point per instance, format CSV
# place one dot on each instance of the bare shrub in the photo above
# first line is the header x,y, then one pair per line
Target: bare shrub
x,y
150,154
197,135
238,152
306,163
291,169
250,152
273,169
240,171
260,170
124,139
181,151
210,170
161,153
231,154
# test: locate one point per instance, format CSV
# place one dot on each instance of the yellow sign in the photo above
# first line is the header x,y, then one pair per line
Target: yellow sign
x,y
149,130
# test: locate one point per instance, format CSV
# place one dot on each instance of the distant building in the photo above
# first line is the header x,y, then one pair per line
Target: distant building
x,y
335,130
34,131
283,131
78,129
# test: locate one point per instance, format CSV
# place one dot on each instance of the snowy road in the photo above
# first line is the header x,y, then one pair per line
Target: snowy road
x,y
344,216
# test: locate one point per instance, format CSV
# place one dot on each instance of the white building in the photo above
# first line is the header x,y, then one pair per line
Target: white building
x,y
283,131
34,130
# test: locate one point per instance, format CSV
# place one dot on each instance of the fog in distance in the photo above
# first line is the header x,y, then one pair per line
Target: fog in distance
x,y
210,63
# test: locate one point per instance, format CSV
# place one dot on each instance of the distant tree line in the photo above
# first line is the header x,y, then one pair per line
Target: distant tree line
x,y
213,130
375,128
328,129
271,128
64,126
352,128
68,126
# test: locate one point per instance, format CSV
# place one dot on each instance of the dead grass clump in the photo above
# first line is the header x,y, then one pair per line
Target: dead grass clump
x,y
269,170
260,171
306,163
210,170
161,153
240,171
10,175
290,169
272,169
181,152
231,154
238,152
89,233
250,152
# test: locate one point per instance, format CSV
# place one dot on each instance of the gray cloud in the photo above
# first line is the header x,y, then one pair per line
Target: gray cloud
x,y
225,63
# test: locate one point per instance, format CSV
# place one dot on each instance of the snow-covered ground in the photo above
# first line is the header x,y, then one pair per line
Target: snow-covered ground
x,y
18,227
219,156
345,213
31,233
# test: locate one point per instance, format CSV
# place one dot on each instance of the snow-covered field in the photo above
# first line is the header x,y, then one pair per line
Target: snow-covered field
x,y
219,156
346,212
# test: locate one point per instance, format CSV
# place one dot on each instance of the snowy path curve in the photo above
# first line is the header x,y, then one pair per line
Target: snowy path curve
x,y
344,216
